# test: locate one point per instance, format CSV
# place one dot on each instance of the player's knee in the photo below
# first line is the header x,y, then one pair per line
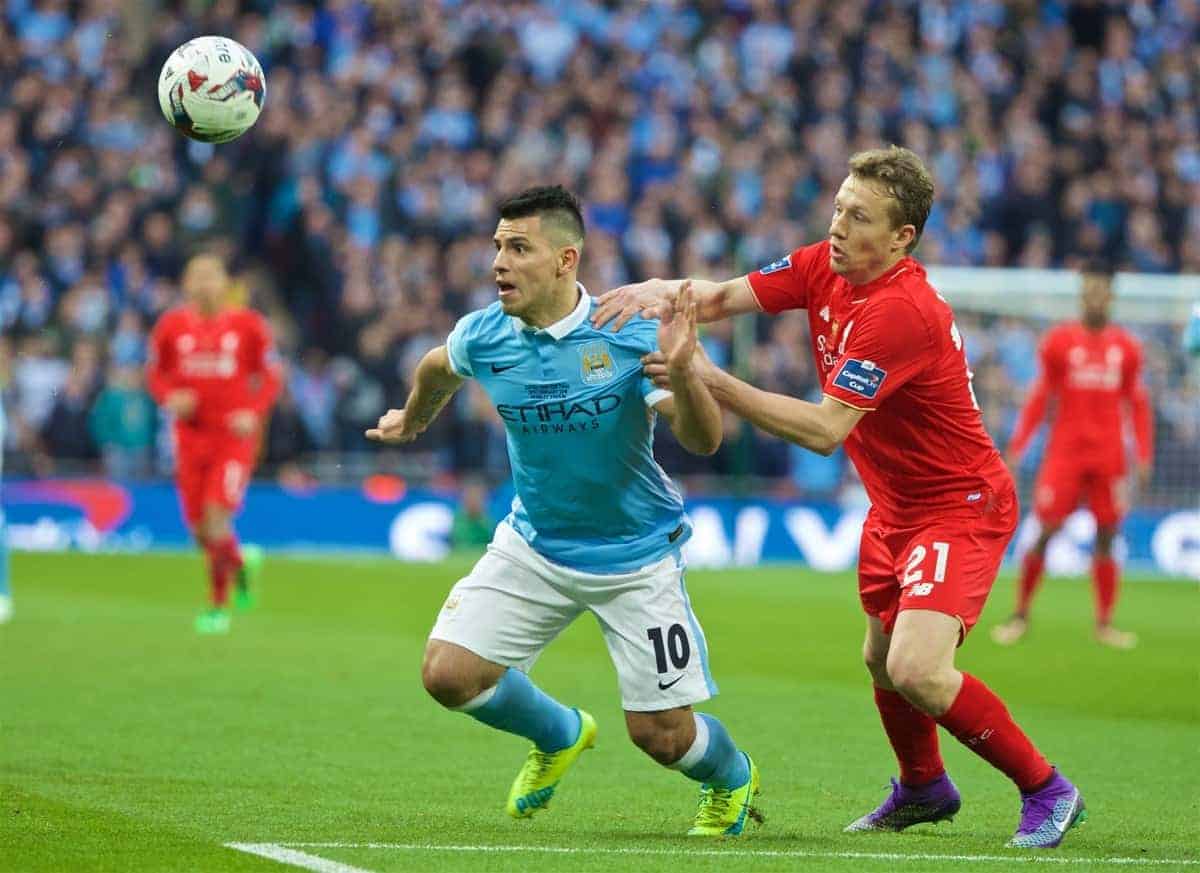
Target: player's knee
x,y
664,743
876,661
1043,540
447,685
216,524
912,676
1104,541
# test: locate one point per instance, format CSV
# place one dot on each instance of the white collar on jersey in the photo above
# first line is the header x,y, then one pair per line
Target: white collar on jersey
x,y
563,326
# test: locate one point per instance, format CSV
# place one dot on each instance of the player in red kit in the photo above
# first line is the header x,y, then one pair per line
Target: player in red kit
x,y
898,396
211,366
1091,373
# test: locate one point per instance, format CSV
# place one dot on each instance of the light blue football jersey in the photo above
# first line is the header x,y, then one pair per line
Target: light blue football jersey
x,y
577,411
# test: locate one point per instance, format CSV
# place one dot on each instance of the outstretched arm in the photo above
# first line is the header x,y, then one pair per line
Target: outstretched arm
x,y
1143,416
1029,421
650,299
433,385
819,427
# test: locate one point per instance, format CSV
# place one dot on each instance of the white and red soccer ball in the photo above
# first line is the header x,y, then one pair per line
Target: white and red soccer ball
x,y
212,89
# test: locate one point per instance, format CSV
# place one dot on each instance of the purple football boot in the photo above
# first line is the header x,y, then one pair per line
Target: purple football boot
x,y
906,806
1048,813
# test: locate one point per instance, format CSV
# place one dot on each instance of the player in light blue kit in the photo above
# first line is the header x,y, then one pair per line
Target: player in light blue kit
x,y
596,524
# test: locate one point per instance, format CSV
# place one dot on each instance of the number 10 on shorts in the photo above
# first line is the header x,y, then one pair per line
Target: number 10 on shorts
x,y
913,574
677,646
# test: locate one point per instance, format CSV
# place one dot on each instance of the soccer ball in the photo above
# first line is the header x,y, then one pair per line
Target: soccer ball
x,y
212,89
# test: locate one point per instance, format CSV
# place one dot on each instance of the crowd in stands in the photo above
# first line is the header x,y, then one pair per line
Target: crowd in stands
x,y
704,138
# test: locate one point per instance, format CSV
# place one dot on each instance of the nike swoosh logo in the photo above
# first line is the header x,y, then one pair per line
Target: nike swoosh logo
x,y
1063,821
662,687
496,369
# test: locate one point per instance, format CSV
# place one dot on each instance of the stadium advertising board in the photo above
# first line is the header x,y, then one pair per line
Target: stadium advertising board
x,y
97,515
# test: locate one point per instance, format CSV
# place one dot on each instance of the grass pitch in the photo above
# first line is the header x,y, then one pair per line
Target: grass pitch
x,y
129,743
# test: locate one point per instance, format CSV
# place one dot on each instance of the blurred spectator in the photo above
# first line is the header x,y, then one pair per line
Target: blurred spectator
x,y
473,525
123,422
65,434
703,139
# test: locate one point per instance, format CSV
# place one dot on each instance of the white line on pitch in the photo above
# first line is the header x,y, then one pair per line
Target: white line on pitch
x,y
284,855
769,853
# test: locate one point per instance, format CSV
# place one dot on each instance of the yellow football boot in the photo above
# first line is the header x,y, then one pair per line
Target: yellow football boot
x,y
722,811
535,785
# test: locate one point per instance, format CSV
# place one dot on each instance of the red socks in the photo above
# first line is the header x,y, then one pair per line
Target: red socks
x,y
913,736
979,720
1031,577
224,559
1104,581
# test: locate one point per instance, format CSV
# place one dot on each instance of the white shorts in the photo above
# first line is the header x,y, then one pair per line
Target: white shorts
x,y
514,602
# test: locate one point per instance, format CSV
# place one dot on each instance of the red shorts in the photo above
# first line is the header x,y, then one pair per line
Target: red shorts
x,y
946,564
213,472
1060,487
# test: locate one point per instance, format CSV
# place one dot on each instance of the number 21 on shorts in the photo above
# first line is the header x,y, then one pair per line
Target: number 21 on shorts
x,y
915,569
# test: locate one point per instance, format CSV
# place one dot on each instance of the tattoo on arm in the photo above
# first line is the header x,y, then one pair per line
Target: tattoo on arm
x,y
437,399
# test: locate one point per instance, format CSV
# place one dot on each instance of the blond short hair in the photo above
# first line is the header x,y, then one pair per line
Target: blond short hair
x,y
905,178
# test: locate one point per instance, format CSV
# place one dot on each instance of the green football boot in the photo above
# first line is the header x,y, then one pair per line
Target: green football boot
x,y
213,621
722,812
246,589
535,785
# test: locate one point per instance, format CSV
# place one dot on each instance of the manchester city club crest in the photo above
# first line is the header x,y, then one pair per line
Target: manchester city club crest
x,y
596,362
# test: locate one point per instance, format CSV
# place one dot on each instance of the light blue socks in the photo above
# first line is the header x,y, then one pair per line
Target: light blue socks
x,y
713,758
516,705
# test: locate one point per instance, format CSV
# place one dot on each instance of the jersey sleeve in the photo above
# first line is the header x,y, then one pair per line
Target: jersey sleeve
x,y
263,366
160,360
652,394
1139,404
1034,410
646,333
458,345
785,284
881,350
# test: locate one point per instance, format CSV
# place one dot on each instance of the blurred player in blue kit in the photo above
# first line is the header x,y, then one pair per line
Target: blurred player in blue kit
x,y
596,524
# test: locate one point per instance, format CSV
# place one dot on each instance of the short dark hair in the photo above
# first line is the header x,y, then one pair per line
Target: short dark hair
x,y
906,180
558,205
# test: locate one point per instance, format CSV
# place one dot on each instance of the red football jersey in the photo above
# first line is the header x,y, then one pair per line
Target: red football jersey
x,y
891,346
227,359
1091,375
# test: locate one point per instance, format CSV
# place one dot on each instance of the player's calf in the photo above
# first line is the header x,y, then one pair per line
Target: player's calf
x,y
728,778
665,736
504,698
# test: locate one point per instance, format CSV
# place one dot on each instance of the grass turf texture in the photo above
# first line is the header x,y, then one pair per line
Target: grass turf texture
x,y
127,742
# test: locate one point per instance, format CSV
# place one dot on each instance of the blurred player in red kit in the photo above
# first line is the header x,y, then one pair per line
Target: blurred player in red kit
x,y
212,367
898,396
1091,373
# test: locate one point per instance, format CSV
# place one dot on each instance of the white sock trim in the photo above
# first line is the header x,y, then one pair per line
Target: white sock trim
x,y
696,751
477,701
